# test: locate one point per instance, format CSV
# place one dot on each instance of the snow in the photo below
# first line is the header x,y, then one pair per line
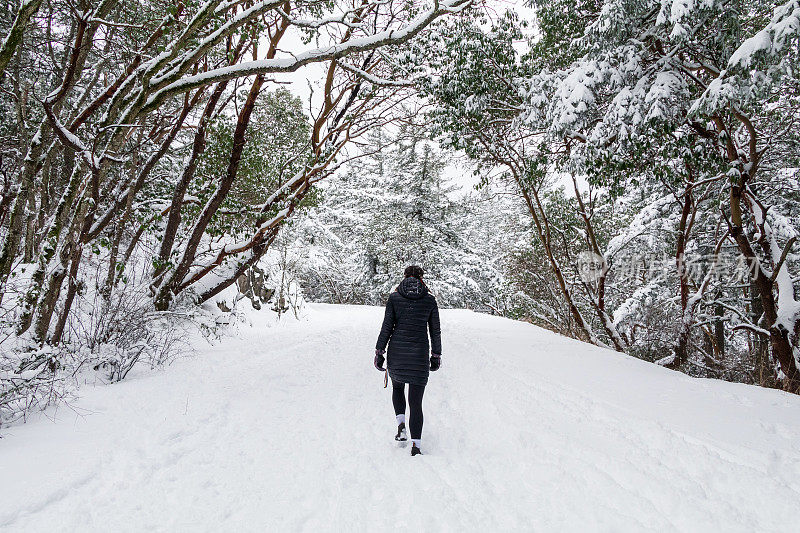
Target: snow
x,y
295,61
286,426
773,38
24,375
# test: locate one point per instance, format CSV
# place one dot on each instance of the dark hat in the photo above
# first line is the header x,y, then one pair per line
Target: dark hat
x,y
414,271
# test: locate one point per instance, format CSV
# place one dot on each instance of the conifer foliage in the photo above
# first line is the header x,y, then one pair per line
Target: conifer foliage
x,y
391,209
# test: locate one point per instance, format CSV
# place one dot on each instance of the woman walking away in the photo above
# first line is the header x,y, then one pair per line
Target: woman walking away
x,y
410,312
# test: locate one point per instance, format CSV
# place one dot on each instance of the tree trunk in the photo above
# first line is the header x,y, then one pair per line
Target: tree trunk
x,y
598,300
50,247
173,280
780,345
69,259
72,290
684,334
14,37
174,217
257,252
10,249
540,221
84,32
719,332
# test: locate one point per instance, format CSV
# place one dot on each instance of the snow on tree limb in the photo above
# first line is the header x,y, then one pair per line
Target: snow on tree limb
x,y
290,64
772,40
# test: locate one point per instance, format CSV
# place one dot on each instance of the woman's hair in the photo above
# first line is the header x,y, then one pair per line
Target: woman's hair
x,y
414,271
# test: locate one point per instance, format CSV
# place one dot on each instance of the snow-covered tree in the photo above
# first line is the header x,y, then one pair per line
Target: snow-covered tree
x,y
392,209
133,146
672,121
690,93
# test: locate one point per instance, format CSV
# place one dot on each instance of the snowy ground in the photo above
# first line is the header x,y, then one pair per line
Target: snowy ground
x,y
287,428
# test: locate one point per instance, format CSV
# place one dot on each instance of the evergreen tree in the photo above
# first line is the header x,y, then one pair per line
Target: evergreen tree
x,y
391,210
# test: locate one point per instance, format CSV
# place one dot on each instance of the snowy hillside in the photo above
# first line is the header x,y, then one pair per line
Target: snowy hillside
x,y
288,428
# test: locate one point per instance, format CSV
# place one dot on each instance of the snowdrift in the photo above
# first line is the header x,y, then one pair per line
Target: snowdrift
x,y
286,427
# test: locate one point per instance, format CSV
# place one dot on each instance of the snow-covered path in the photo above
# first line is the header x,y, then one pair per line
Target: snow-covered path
x,y
288,428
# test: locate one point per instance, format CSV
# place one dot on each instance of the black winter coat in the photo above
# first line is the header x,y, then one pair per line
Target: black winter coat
x,y
410,313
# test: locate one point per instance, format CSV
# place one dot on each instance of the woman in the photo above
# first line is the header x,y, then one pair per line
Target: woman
x,y
410,312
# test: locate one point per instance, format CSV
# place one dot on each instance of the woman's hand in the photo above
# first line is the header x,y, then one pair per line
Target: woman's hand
x,y
436,361
379,360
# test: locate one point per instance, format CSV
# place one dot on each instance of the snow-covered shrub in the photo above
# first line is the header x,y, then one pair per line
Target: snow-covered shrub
x,y
282,267
104,338
127,331
31,381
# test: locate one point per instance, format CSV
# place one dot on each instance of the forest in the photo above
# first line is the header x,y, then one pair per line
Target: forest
x,y
622,172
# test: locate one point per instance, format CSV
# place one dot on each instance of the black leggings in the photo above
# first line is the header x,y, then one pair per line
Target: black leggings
x,y
415,393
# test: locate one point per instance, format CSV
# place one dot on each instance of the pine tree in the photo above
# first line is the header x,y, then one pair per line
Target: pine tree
x,y
392,210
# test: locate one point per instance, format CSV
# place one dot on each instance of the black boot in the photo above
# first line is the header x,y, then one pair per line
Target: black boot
x,y
401,433
415,450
